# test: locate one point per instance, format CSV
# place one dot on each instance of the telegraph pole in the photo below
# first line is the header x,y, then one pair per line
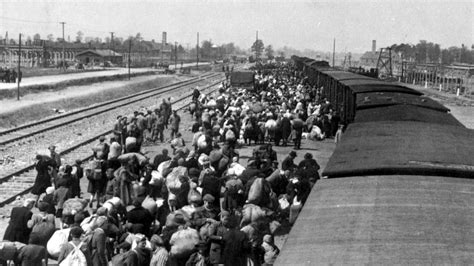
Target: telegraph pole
x,y
256,43
18,74
334,52
197,52
175,55
112,40
62,62
129,52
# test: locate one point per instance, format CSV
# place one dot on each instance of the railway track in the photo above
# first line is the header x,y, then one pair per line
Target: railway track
x,y
31,129
20,181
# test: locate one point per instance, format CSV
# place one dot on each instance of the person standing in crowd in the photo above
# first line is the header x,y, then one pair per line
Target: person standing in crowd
x,y
77,173
55,156
17,229
160,254
76,234
139,256
165,110
298,126
174,120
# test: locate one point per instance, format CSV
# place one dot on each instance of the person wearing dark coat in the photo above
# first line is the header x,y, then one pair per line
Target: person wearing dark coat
x,y
212,185
309,167
43,179
288,163
163,157
285,129
236,245
141,255
17,229
298,126
140,215
34,253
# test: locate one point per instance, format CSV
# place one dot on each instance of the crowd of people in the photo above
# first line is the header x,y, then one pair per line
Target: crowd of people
x,y
196,203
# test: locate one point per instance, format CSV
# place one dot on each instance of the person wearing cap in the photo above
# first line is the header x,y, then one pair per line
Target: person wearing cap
x,y
160,254
54,156
206,214
288,162
174,121
17,229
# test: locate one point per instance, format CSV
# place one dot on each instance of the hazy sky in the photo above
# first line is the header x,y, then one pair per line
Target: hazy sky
x,y
298,24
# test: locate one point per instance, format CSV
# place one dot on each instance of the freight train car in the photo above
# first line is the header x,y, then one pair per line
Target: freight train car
x,y
399,186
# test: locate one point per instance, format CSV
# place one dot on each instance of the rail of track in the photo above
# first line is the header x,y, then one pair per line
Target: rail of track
x,y
20,182
31,129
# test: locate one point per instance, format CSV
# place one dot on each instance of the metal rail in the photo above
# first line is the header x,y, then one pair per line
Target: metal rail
x,y
113,103
75,147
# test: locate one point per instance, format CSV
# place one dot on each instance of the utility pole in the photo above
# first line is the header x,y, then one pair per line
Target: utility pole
x,y
129,52
197,52
334,52
112,40
256,43
62,62
175,55
18,74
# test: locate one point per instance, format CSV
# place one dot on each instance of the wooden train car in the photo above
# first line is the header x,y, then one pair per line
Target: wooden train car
x,y
400,183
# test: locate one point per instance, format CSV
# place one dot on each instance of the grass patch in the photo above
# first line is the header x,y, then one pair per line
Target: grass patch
x,y
42,110
6,94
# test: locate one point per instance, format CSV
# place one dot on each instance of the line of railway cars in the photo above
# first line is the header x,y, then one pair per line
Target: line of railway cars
x,y
399,187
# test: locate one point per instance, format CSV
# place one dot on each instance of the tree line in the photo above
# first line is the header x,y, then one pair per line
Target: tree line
x,y
429,52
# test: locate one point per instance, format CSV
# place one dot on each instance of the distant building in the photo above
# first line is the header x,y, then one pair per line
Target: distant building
x,y
99,56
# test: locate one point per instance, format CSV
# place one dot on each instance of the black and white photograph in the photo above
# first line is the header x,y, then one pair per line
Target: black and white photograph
x,y
236,132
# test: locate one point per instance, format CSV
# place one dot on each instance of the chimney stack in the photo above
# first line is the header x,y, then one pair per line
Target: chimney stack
x,y
374,46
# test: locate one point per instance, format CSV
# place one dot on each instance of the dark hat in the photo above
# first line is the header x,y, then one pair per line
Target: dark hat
x,y
43,206
293,153
125,245
179,219
308,155
102,138
78,161
201,245
208,198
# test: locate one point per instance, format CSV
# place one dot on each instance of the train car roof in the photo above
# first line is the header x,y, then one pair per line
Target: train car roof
x,y
374,85
376,99
400,147
344,75
405,113
384,220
